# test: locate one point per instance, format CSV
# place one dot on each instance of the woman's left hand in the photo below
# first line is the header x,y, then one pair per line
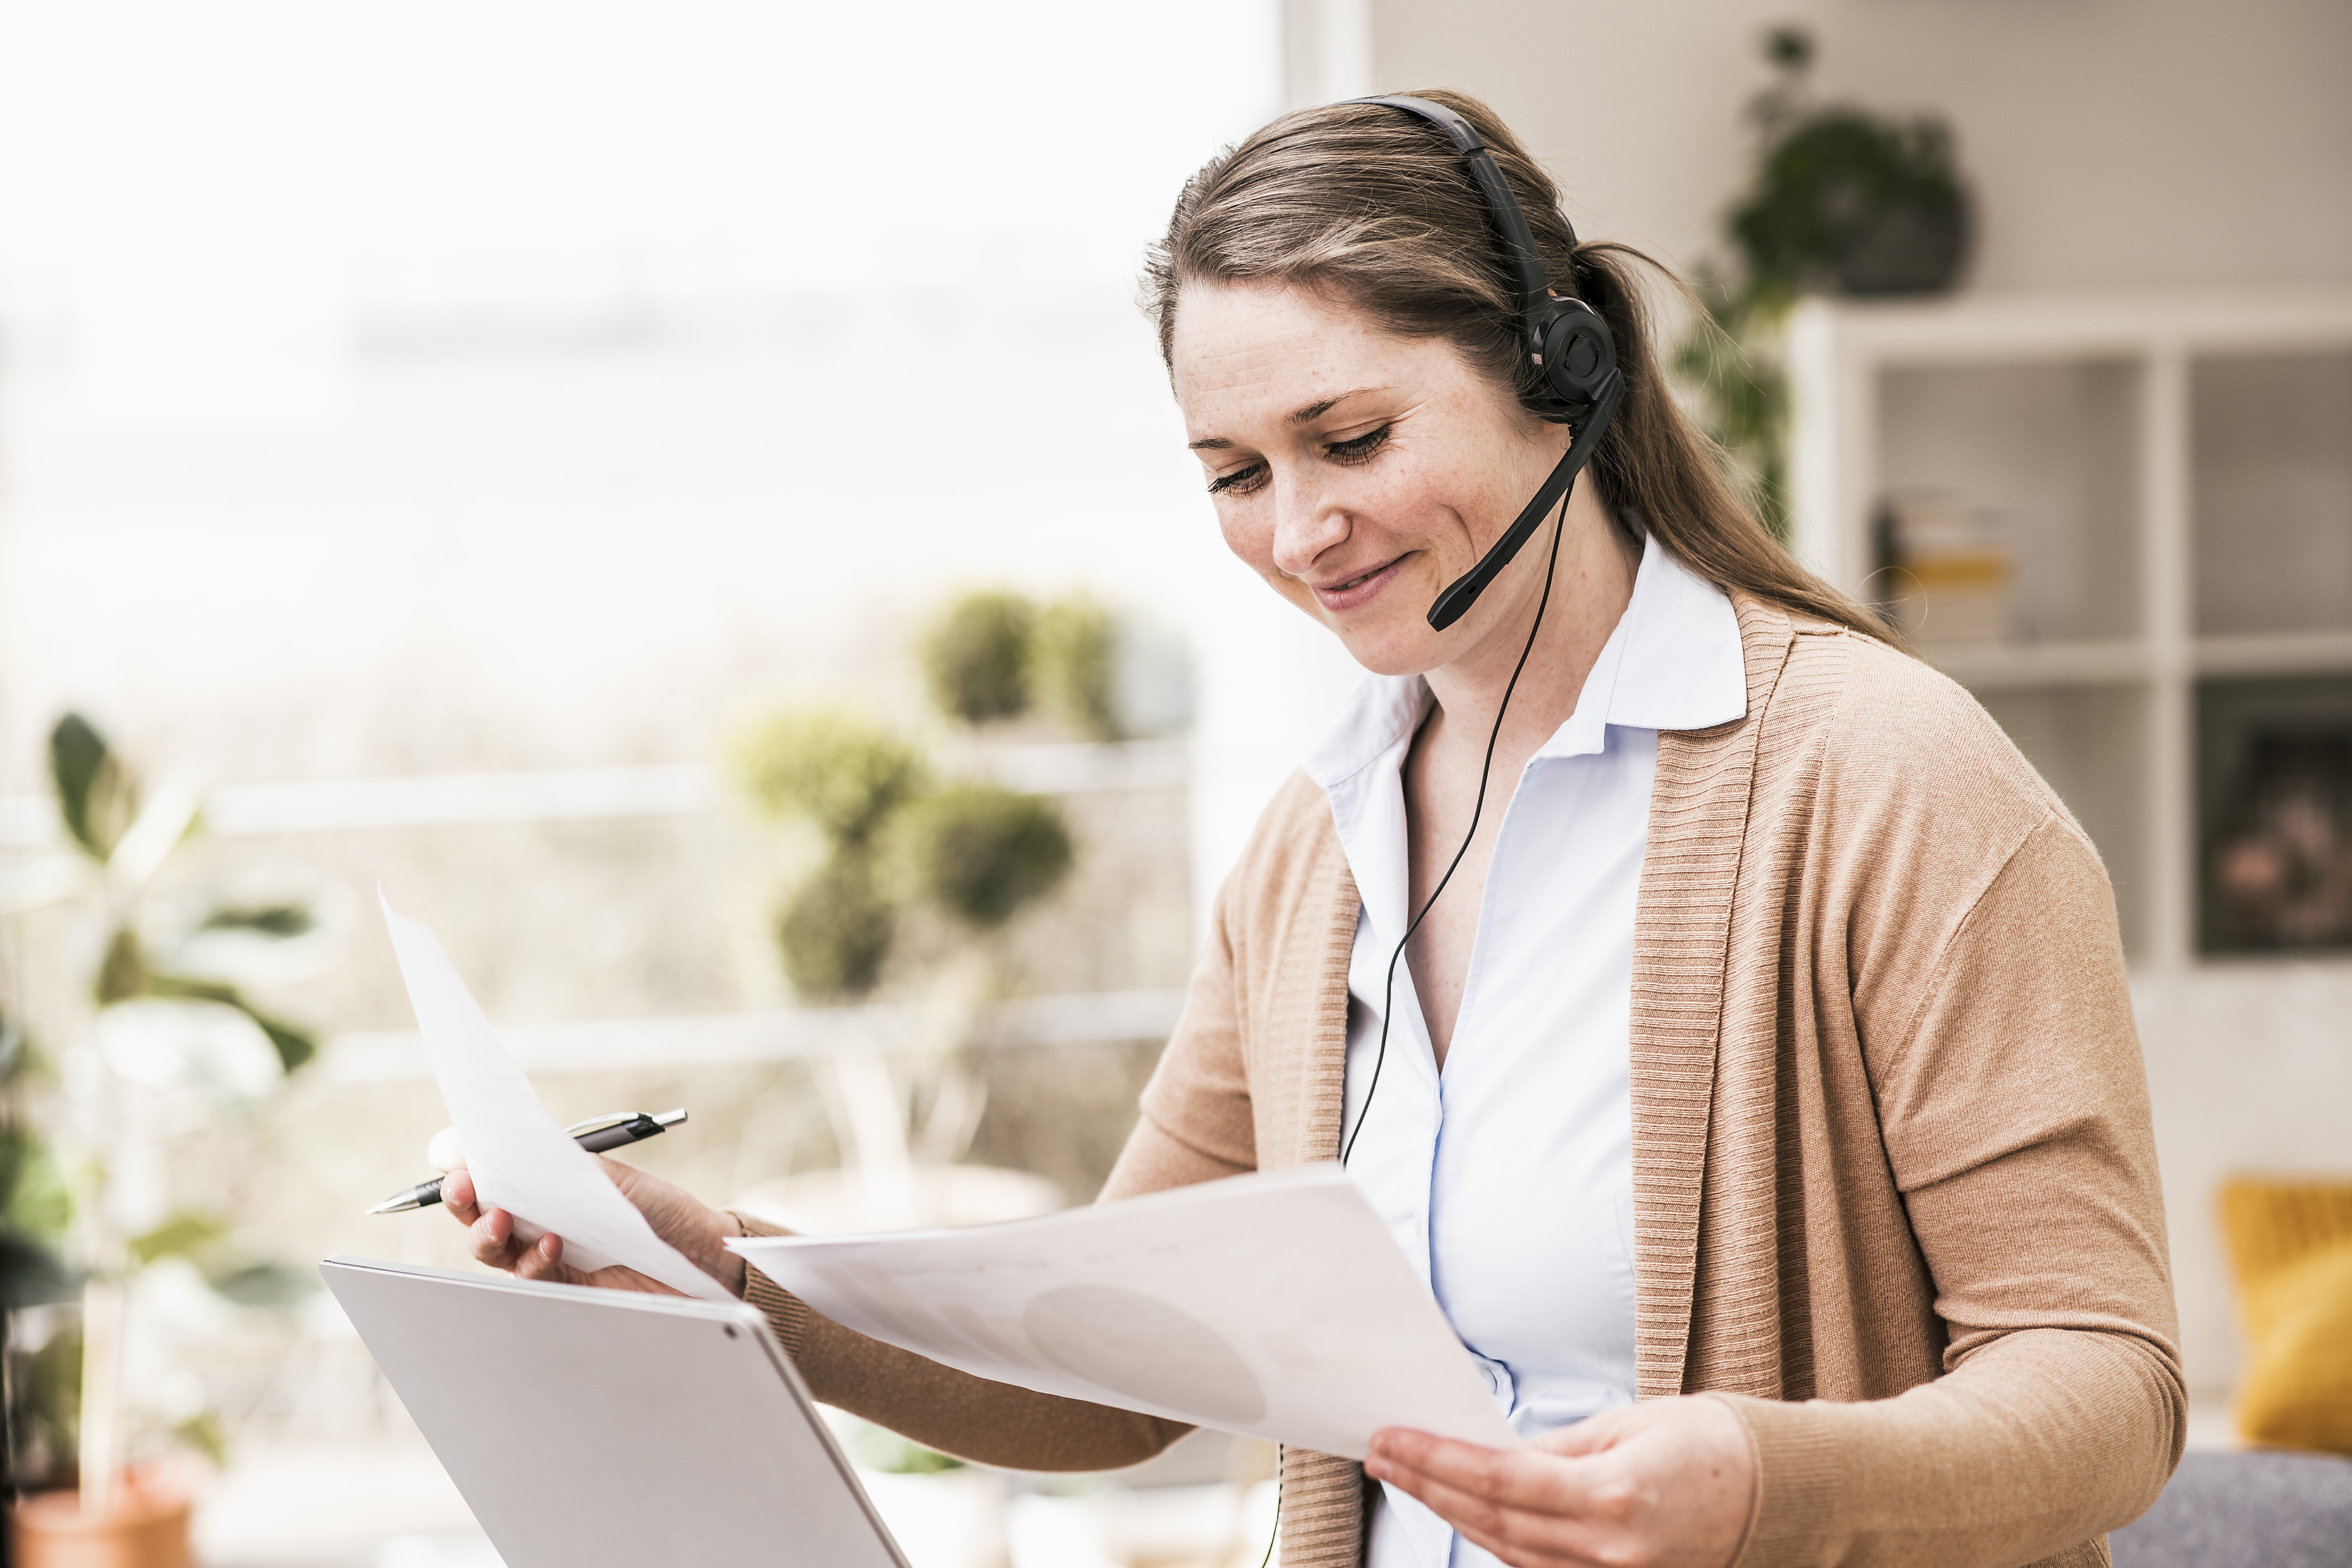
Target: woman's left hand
x,y
1669,1482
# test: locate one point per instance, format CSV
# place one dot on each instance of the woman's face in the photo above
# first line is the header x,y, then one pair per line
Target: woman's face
x,y
1356,472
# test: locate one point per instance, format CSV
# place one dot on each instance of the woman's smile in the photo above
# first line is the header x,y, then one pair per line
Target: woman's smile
x,y
1362,589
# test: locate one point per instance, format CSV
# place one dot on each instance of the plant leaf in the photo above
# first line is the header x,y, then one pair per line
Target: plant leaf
x,y
30,1273
294,1045
975,657
843,772
983,851
124,974
263,1285
178,1236
204,1433
284,920
95,795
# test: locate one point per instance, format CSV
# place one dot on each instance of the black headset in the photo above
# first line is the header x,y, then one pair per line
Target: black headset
x,y
1569,348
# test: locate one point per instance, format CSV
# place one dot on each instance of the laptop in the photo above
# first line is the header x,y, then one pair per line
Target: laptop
x,y
588,1428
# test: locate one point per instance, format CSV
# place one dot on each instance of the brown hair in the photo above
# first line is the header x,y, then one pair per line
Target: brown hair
x,y
1375,207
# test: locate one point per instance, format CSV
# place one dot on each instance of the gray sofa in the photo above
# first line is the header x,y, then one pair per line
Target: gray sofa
x,y
2257,1510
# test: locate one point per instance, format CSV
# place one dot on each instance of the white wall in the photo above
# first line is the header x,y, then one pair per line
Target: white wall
x,y
2109,142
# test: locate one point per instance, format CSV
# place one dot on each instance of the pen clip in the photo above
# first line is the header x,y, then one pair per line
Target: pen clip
x,y
598,1123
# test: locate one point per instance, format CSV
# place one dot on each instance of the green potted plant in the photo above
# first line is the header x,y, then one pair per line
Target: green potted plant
x,y
1842,200
1845,200
968,854
167,1022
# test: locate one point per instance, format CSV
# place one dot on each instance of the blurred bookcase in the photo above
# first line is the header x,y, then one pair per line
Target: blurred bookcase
x,y
2125,524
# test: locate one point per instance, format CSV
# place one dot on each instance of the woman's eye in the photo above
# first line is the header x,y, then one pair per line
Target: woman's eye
x,y
1240,482
1357,448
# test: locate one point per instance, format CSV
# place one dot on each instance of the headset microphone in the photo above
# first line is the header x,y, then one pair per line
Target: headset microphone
x,y
1464,591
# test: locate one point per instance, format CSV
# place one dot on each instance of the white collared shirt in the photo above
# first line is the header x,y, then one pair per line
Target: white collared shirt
x,y
1507,1179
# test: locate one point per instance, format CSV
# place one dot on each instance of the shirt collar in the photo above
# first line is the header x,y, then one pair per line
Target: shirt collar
x,y
1672,662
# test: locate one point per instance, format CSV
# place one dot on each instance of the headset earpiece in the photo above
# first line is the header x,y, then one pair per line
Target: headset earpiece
x,y
1575,361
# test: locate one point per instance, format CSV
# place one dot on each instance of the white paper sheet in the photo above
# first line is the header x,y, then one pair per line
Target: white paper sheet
x,y
1274,1305
520,1158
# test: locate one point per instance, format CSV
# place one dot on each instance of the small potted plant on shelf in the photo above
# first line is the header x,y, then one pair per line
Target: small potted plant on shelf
x,y
166,1040
1843,201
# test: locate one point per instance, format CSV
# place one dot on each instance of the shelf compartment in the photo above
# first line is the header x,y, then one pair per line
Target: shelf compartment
x,y
2090,742
2049,452
2274,814
2271,455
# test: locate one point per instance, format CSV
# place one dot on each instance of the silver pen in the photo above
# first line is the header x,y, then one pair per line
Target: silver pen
x,y
596,1134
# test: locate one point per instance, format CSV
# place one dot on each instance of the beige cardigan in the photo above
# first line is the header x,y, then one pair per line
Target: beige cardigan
x,y
1894,1190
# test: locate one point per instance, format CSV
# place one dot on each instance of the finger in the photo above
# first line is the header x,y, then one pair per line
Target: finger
x,y
1514,1476
445,1153
543,1260
458,1197
489,1237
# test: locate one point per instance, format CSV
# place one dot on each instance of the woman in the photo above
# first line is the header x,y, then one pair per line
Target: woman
x,y
1760,1101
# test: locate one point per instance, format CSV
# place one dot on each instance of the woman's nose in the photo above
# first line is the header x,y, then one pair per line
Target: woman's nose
x,y
1306,524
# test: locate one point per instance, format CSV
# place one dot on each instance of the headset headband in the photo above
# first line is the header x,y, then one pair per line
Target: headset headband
x,y
1511,223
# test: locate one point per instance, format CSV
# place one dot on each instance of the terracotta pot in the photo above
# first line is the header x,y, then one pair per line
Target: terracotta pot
x,y
146,1528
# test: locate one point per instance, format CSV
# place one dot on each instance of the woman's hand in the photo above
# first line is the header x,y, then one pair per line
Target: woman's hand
x,y
676,1214
1670,1482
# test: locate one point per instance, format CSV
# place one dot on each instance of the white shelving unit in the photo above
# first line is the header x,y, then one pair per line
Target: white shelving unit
x,y
2179,478
2177,475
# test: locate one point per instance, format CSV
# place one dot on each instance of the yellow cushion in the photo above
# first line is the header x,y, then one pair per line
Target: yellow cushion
x,y
2292,1244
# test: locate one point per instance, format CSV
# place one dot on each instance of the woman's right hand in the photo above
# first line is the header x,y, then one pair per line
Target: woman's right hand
x,y
676,1214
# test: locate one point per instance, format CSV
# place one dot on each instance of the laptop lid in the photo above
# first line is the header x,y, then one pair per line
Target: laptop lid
x,y
590,1427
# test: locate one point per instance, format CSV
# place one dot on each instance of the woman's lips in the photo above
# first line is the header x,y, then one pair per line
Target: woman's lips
x,y
1360,590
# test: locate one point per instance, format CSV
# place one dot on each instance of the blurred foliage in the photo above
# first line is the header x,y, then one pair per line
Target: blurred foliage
x,y
879,1449
204,1433
1075,654
44,1406
1841,201
35,1204
263,1284
104,810
181,1236
844,773
975,657
295,1045
284,920
836,928
982,851
1731,362
979,851
1837,191
97,796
